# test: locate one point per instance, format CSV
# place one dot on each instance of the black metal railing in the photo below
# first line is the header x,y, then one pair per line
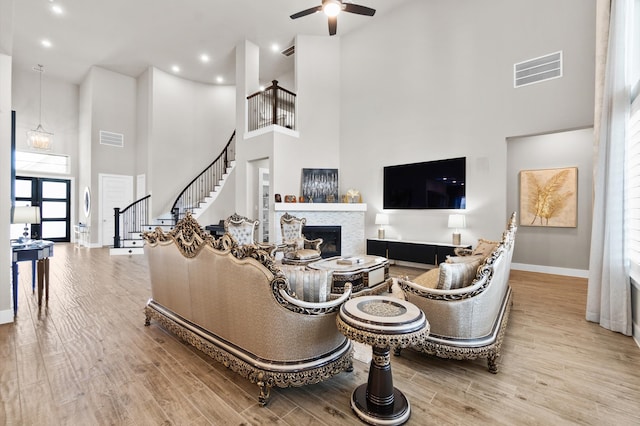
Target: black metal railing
x,y
131,220
273,105
203,184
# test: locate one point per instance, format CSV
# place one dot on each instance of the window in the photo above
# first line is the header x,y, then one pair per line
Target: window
x,y
39,162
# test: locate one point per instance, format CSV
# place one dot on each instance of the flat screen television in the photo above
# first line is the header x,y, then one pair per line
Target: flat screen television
x,y
428,185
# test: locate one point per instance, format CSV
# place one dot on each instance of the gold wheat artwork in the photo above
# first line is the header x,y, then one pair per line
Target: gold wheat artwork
x,y
549,195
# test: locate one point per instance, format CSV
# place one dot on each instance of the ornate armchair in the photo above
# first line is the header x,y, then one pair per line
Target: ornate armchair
x,y
244,230
297,249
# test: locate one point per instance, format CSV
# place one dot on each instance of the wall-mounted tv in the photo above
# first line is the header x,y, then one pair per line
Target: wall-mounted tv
x,y
428,185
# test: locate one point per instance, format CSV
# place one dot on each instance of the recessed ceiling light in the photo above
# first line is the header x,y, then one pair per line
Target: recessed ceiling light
x,y
219,79
45,43
262,88
57,9
205,58
275,47
175,68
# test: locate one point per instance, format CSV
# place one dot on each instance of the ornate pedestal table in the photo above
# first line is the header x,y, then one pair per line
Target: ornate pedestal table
x,y
382,322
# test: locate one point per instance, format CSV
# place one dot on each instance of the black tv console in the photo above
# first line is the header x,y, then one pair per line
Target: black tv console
x,y
412,251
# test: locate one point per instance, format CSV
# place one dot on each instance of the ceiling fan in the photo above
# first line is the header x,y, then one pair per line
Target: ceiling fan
x,y
332,8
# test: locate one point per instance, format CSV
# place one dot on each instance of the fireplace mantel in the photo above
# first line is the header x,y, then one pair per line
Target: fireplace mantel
x,y
321,207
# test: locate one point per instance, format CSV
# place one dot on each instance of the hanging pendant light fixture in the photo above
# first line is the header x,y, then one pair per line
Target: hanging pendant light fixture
x,y
39,138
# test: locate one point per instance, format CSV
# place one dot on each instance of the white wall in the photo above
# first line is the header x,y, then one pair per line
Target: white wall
x,y
433,80
6,310
189,125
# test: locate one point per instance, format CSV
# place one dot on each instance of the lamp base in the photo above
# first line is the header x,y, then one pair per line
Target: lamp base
x,y
456,239
381,234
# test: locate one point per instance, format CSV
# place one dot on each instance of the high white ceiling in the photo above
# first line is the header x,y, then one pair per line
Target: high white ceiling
x,y
127,36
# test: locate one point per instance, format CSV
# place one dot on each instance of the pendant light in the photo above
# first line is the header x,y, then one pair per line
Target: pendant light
x,y
39,138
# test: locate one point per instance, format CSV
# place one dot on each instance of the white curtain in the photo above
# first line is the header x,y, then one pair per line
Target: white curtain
x,y
609,289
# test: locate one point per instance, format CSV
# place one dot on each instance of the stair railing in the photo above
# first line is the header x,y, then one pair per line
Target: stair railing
x,y
133,218
203,184
273,105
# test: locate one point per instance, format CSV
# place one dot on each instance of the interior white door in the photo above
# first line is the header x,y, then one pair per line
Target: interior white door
x,y
115,191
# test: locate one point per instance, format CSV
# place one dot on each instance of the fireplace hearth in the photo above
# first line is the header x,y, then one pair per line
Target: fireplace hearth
x,y
331,239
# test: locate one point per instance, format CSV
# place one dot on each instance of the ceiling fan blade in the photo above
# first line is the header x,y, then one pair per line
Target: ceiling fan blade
x,y
360,10
306,12
333,25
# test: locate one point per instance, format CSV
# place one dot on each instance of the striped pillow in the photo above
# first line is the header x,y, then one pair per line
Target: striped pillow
x,y
457,275
309,285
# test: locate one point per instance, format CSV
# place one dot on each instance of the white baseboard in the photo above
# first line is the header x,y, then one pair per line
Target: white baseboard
x,y
580,273
6,316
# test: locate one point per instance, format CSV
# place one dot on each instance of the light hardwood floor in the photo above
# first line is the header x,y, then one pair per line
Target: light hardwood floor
x,y
87,359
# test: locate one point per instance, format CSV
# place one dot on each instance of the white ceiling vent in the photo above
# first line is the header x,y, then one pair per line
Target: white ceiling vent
x,y
111,139
537,70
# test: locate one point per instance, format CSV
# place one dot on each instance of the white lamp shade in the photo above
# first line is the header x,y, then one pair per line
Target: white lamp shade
x,y
382,219
457,221
25,214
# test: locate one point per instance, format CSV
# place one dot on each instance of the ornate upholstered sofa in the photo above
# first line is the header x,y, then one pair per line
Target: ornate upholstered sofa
x,y
233,303
468,322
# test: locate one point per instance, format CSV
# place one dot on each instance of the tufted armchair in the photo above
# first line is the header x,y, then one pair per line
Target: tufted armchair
x,y
297,249
244,230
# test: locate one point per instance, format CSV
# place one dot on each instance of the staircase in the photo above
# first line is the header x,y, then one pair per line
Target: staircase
x,y
203,190
195,198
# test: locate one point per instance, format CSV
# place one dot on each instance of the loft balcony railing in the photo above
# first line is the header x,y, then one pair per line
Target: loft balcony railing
x,y
274,105
130,220
205,183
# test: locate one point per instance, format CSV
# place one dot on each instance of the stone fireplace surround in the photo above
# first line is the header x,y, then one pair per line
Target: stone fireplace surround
x,y
349,216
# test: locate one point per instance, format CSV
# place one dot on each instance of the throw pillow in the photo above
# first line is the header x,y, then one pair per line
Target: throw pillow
x,y
456,275
464,259
309,285
485,247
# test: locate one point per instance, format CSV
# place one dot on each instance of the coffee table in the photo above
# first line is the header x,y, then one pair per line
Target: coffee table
x,y
369,275
382,322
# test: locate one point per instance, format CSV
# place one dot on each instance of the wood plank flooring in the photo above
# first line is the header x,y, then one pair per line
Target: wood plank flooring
x,y
87,359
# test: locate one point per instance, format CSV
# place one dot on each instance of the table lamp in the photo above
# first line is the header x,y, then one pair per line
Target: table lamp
x,y
27,215
457,221
381,219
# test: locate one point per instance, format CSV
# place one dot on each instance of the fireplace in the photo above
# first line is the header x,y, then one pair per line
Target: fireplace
x,y
331,239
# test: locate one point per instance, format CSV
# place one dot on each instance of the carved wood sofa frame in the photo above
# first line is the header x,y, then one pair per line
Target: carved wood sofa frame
x,y
470,322
233,303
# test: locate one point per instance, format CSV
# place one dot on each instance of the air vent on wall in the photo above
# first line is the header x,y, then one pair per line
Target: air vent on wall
x,y
537,70
289,50
111,139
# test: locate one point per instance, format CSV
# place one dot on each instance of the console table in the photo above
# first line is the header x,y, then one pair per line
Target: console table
x,y
382,322
37,252
412,251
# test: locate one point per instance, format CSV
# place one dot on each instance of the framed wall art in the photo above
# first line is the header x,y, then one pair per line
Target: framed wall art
x,y
320,185
549,197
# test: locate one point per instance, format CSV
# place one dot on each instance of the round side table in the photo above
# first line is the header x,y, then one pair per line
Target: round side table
x,y
384,323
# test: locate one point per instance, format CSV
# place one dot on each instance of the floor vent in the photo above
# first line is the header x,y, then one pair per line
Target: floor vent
x,y
111,139
289,50
537,70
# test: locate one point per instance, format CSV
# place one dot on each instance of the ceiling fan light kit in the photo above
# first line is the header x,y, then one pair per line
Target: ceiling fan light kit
x,y
332,8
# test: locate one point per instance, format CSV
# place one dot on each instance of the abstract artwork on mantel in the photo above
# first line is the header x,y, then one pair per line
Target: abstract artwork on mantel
x,y
549,197
320,185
